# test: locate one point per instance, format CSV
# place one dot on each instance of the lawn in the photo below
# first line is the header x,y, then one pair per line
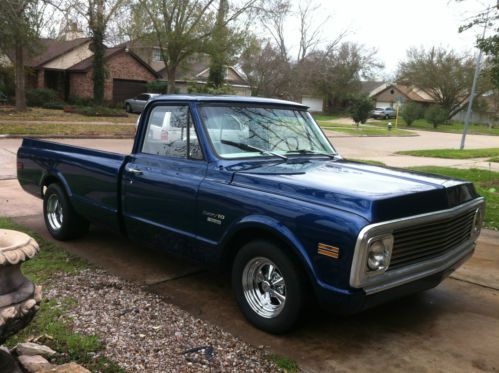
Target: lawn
x,y
486,183
318,117
66,129
50,325
455,153
455,127
40,114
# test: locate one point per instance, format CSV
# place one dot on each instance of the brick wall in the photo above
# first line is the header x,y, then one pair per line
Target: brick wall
x,y
120,66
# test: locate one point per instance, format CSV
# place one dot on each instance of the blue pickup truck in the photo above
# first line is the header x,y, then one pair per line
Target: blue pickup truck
x,y
253,186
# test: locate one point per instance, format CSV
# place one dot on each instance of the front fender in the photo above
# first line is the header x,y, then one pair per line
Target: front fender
x,y
275,229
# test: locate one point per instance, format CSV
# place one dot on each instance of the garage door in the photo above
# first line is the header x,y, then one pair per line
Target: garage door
x,y
124,89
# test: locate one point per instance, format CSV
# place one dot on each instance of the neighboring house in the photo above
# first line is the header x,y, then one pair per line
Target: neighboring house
x,y
194,71
390,94
66,67
315,104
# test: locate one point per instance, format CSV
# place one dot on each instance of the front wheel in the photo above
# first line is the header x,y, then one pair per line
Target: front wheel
x,y
268,286
62,222
128,108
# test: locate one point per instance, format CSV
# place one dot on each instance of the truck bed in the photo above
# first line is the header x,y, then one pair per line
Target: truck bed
x,y
90,177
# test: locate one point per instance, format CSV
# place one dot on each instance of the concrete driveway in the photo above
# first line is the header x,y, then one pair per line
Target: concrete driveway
x,y
454,327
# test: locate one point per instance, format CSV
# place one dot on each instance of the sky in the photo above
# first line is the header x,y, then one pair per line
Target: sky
x,y
393,26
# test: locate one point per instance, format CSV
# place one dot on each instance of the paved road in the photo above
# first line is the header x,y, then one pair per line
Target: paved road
x,y
454,327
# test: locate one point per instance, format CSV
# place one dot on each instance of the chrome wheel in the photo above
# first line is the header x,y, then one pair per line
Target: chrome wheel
x,y
264,287
54,212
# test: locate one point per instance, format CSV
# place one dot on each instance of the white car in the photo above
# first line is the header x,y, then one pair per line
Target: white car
x,y
137,104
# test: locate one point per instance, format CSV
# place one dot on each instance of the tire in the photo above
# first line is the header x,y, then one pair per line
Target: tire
x,y
128,108
62,222
387,117
260,300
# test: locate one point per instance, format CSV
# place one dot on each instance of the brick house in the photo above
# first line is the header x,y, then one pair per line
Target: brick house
x,y
66,66
389,94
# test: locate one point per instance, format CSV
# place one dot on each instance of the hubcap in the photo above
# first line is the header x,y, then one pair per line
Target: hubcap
x,y
54,212
264,287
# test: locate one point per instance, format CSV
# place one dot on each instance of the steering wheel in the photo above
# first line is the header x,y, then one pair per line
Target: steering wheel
x,y
285,139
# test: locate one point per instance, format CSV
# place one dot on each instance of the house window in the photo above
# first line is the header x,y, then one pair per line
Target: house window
x,y
156,55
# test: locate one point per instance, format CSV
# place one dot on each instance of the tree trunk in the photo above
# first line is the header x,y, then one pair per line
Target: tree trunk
x,y
172,72
20,78
99,74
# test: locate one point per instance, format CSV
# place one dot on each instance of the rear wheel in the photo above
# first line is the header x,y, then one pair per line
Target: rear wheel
x,y
62,222
268,285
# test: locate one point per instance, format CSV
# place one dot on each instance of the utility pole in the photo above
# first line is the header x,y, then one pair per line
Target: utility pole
x,y
473,86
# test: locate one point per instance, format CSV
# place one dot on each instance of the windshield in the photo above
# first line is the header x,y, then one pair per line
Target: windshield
x,y
249,131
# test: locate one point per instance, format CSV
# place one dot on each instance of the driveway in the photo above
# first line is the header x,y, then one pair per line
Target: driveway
x,y
454,327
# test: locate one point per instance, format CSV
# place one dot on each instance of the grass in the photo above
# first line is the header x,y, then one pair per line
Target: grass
x,y
367,161
454,153
454,127
41,114
319,117
66,129
284,363
494,159
486,184
50,324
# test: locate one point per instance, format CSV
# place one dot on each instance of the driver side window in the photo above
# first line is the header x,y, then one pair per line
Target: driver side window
x,y
170,132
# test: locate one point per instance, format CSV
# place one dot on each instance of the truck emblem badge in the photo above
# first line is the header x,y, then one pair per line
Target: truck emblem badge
x,y
212,217
328,250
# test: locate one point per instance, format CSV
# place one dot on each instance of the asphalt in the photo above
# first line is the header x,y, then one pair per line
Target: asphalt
x,y
454,327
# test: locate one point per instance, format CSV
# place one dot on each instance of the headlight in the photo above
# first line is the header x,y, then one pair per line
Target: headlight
x,y
379,252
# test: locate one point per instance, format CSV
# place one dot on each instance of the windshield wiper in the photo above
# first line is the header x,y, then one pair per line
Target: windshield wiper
x,y
252,148
306,151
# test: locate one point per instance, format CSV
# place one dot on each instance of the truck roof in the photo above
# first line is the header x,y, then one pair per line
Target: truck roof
x,y
228,99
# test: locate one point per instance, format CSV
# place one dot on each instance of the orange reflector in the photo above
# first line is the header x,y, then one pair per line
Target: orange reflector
x,y
328,250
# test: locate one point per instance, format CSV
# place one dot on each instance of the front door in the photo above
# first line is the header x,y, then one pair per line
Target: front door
x,y
161,181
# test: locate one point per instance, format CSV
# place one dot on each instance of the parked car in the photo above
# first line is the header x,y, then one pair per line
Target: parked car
x,y
384,113
137,104
253,186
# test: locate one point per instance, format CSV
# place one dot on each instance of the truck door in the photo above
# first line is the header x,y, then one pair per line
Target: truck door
x,y
160,182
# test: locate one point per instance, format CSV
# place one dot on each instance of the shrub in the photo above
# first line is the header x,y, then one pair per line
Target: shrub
x,y
411,111
80,101
38,97
53,105
436,115
360,109
204,88
158,86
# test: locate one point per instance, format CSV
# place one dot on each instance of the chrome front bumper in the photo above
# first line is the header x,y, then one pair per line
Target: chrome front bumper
x,y
372,283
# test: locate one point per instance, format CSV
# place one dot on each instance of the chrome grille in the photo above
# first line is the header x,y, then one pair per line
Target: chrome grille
x,y
424,241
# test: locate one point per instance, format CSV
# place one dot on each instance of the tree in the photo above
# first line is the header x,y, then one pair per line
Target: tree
x,y
436,115
489,45
360,108
411,111
336,72
268,72
226,41
20,23
444,75
181,28
98,14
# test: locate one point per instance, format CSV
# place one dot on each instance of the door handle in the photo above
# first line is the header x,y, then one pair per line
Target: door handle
x,y
135,171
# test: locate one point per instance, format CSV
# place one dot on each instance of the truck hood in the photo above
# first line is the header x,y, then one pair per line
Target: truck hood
x,y
373,192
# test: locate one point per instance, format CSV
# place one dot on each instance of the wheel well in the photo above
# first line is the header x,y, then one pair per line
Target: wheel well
x,y
249,234
50,179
